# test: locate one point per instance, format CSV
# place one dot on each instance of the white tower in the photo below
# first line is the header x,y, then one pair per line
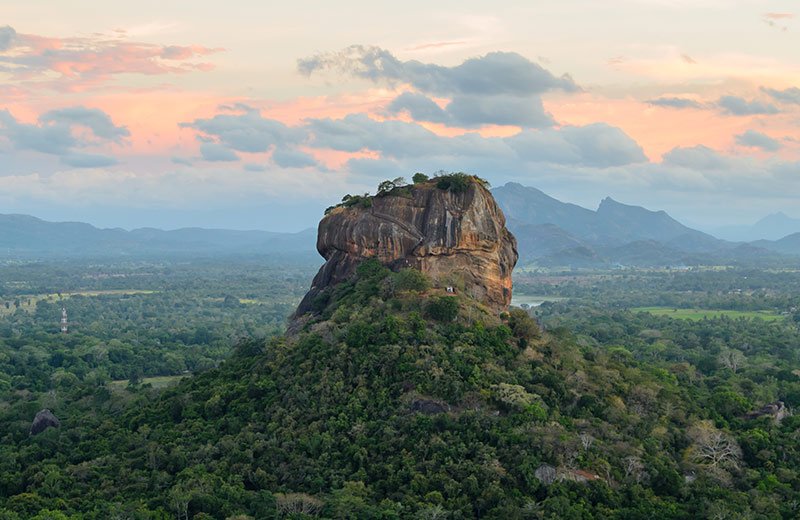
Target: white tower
x,y
64,324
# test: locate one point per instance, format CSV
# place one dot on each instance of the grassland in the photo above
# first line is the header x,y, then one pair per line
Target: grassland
x,y
700,314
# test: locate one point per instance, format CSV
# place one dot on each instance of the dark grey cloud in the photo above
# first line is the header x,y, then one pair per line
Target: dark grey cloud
x,y
474,111
755,139
246,132
738,106
8,37
674,102
215,152
789,96
289,158
697,158
56,133
495,73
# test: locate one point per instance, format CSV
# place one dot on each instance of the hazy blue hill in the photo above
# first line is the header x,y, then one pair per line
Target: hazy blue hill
x,y
645,253
771,227
541,240
789,244
625,223
526,205
551,232
26,236
776,226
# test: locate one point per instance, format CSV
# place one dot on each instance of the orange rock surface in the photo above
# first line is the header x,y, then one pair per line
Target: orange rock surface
x,y
457,238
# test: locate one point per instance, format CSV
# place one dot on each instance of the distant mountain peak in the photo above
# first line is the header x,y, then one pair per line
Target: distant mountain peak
x,y
652,235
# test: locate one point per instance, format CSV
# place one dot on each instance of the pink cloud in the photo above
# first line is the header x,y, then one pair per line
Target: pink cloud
x,y
92,60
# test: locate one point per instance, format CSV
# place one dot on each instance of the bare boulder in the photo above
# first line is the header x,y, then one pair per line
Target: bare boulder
x,y
44,419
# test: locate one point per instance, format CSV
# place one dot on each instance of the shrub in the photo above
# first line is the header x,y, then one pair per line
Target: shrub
x,y
523,326
443,308
455,182
412,280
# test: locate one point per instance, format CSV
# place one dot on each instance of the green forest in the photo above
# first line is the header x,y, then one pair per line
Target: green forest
x,y
398,400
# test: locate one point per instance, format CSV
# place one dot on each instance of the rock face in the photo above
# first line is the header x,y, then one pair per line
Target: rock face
x,y
458,238
44,419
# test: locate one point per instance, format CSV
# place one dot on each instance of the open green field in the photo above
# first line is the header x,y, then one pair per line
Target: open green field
x,y
28,302
699,314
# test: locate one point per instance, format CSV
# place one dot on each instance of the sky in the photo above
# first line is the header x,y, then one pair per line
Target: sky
x,y
259,115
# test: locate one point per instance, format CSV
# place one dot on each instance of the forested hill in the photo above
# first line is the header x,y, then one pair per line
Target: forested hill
x,y
23,236
402,401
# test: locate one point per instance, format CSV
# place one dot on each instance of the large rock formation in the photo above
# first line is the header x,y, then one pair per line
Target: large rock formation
x,y
458,238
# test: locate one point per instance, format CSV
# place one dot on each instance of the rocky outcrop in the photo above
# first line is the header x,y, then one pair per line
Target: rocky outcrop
x,y
458,238
776,410
44,419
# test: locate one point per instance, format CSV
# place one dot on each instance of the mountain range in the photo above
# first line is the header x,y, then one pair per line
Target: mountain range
x,y
25,236
549,233
555,233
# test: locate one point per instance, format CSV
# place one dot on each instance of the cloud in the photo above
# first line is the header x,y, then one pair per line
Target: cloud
x,y
397,139
688,59
214,152
499,88
86,160
696,158
437,45
246,132
597,145
7,37
96,120
89,60
474,111
253,167
738,106
491,74
772,20
754,139
181,160
789,96
420,107
58,132
674,102
287,158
